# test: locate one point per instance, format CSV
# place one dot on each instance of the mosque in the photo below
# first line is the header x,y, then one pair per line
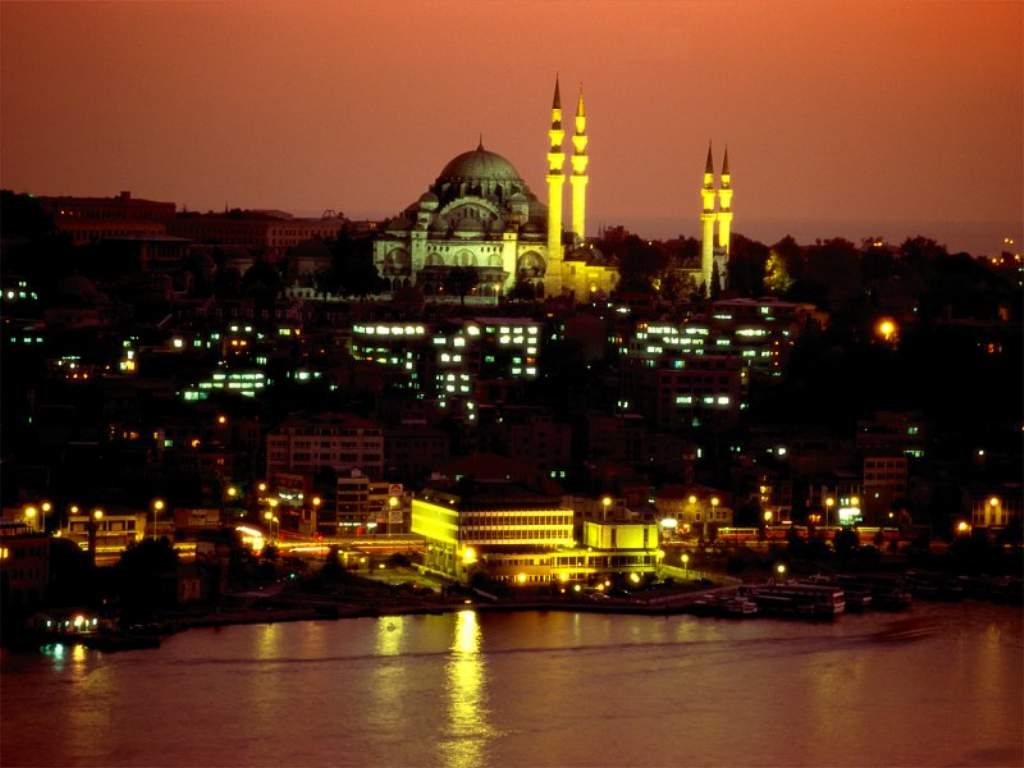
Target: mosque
x,y
479,213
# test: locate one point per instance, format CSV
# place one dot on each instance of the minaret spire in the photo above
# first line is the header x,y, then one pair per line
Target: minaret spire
x,y
707,221
724,213
580,178
556,183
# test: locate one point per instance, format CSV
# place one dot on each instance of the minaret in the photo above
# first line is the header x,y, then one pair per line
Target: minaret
x,y
579,179
724,206
707,220
556,183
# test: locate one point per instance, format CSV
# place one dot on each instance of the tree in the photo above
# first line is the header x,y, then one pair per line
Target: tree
x,y
522,291
461,281
146,575
716,282
352,267
227,284
325,281
262,283
746,268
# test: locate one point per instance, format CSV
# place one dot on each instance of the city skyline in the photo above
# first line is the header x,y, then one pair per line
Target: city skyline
x,y
920,134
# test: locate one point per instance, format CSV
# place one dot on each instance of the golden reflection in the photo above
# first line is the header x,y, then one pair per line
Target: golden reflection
x,y
78,654
389,635
268,640
390,675
469,731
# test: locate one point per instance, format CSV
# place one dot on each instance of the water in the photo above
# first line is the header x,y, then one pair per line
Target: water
x,y
939,686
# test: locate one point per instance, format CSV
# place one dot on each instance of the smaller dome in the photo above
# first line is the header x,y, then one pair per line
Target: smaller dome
x,y
398,223
428,201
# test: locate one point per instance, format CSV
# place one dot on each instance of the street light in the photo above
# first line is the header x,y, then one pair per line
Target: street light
x,y
829,503
886,328
271,518
393,503
781,569
686,561
97,514
30,514
158,506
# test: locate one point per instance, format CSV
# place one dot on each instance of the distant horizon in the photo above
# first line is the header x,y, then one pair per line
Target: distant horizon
x,y
978,238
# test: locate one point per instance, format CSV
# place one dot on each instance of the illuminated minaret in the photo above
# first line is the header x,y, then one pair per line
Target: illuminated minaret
x,y
707,220
579,178
556,183
724,206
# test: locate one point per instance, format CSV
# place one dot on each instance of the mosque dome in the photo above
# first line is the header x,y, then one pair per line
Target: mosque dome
x,y
479,164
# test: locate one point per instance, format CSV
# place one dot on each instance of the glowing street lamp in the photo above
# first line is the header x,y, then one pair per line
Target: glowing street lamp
x,y
30,515
886,329
97,514
686,561
780,569
158,506
829,503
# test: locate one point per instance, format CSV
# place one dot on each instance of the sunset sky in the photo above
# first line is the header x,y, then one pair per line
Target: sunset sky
x,y
842,118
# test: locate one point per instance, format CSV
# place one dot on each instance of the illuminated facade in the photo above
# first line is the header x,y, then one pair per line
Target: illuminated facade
x,y
480,214
715,253
526,539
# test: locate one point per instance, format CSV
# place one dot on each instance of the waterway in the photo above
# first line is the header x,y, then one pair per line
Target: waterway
x,y
938,686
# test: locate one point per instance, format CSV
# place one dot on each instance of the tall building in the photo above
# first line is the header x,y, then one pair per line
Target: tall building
x,y
480,214
715,254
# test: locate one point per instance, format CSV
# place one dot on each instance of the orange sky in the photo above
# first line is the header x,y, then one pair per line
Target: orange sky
x,y
848,118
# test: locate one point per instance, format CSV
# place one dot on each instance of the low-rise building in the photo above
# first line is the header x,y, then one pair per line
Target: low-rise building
x,y
24,565
113,531
513,535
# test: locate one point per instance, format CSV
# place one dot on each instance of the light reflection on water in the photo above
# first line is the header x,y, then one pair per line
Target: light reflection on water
x,y
938,686
467,706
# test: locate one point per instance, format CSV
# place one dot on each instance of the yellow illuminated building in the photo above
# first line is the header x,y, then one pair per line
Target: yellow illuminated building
x,y
525,539
480,214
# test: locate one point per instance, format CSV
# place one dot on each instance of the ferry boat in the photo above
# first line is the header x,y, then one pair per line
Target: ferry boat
x,y
806,600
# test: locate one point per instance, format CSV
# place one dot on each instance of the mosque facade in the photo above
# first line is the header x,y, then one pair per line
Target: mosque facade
x,y
480,214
